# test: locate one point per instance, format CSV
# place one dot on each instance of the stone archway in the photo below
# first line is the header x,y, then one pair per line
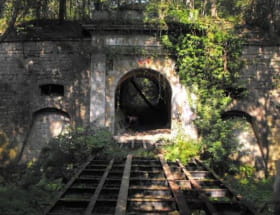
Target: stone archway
x,y
47,123
245,132
142,102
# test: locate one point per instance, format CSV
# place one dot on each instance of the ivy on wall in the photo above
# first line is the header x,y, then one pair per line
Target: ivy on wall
x,y
208,56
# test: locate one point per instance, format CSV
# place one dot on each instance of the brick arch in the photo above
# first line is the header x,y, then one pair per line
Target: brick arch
x,y
247,116
145,72
46,123
51,110
253,122
238,113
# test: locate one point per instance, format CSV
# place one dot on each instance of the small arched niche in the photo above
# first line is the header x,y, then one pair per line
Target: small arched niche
x,y
46,124
142,102
244,134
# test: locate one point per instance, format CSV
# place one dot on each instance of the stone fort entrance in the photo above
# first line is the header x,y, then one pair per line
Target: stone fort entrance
x,y
142,102
93,80
134,85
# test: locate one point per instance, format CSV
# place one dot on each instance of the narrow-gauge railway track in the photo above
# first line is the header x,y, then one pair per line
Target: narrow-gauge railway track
x,y
146,186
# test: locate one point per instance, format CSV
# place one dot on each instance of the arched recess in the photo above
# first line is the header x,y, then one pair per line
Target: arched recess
x,y
142,102
237,113
246,135
46,123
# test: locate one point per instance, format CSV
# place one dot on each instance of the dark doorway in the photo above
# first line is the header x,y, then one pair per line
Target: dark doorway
x,y
143,102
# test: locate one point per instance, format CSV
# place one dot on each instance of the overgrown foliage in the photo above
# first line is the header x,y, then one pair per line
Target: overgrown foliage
x,y
22,201
64,153
27,189
254,13
257,191
208,58
208,61
181,147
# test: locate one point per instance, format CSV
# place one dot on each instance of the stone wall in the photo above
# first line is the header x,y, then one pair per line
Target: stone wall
x,y
261,77
47,123
24,67
114,57
90,71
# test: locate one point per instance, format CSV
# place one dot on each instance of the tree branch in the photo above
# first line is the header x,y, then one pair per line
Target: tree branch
x,y
143,96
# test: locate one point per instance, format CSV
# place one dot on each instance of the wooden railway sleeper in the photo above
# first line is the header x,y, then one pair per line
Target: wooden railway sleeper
x,y
236,198
209,207
136,186
177,192
98,189
69,184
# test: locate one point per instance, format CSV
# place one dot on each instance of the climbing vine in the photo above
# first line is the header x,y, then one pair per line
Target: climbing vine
x,y
208,56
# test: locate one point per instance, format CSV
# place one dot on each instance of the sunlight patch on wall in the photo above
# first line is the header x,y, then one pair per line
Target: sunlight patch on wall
x,y
46,125
8,152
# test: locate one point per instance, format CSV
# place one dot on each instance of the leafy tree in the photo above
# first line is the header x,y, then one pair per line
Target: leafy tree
x,y
260,13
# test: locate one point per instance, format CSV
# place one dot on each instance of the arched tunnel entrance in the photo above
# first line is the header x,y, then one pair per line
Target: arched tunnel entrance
x,y
142,102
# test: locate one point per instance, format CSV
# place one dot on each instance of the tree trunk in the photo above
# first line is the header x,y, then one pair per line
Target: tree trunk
x,y
203,6
45,9
135,85
190,3
270,17
62,10
2,6
38,9
13,19
277,16
70,6
273,16
83,11
213,8
97,5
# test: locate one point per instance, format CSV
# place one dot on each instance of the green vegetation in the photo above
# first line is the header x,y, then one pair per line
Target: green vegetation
x,y
256,191
66,152
22,201
8,151
181,147
27,189
208,56
256,14
202,36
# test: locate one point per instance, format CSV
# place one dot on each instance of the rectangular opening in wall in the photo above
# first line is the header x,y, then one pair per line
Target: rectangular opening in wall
x,y
52,90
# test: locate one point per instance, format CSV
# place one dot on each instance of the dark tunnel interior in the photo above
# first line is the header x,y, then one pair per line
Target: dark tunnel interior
x,y
143,102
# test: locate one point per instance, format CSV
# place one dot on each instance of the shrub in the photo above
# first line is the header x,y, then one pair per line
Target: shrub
x,y
181,147
28,189
31,201
255,190
64,153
